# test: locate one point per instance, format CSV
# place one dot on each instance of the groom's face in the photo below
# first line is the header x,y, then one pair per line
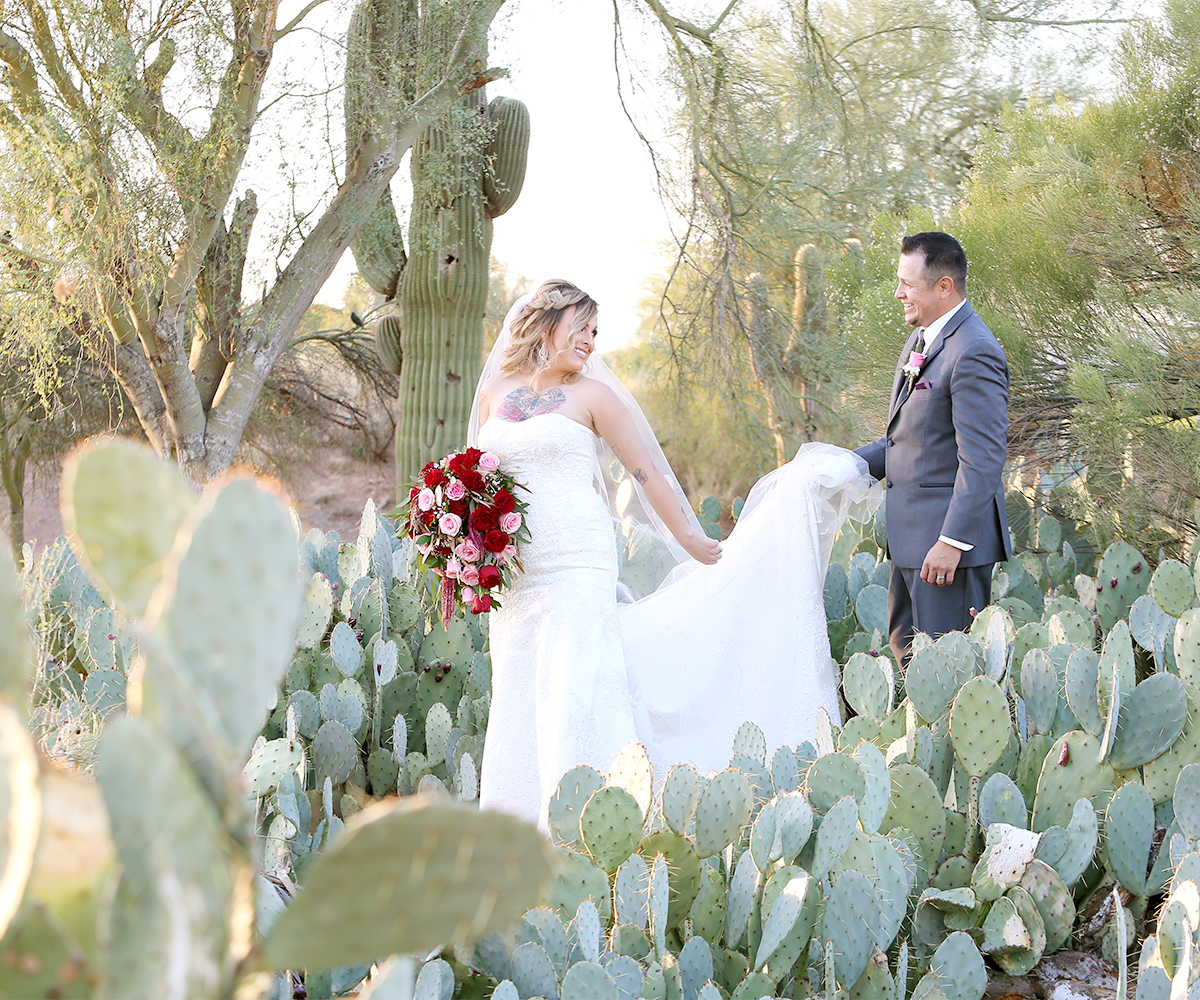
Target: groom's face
x,y
923,300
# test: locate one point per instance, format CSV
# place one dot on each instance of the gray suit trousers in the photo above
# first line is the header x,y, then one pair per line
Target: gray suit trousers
x,y
914,605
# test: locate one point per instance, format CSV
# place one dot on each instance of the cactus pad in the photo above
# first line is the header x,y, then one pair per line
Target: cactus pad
x,y
724,808
916,805
979,726
851,925
832,776
1129,835
1060,786
566,804
1172,587
611,826
334,752
632,771
1151,719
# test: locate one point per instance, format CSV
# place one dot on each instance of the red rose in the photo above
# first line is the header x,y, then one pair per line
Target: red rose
x,y
428,517
435,477
471,480
459,507
482,604
504,502
413,494
495,540
484,518
472,455
489,577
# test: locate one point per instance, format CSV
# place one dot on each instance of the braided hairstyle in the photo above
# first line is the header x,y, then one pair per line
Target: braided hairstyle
x,y
530,349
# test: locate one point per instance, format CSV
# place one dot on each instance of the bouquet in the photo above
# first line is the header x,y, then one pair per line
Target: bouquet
x,y
466,520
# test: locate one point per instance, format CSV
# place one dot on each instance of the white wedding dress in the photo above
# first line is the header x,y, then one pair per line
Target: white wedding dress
x,y
575,677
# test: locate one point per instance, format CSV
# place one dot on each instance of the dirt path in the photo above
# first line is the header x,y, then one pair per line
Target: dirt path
x,y
329,493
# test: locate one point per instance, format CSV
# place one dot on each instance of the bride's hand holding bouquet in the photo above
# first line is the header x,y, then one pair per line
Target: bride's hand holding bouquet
x,y
466,521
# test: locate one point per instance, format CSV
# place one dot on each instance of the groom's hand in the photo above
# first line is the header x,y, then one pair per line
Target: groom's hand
x,y
940,563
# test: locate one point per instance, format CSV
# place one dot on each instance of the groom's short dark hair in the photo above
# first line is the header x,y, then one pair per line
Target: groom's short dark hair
x,y
943,255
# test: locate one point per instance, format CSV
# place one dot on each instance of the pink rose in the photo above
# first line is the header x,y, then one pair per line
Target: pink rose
x,y
469,575
468,551
425,549
505,555
449,524
452,568
489,462
510,522
425,499
456,490
468,595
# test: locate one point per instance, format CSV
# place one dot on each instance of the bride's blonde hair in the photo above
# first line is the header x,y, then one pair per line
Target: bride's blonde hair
x,y
529,349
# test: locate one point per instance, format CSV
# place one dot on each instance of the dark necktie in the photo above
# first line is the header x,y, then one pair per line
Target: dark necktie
x,y
920,346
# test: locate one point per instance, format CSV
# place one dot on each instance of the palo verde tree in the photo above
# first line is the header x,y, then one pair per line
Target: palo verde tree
x,y
1082,225
793,124
126,129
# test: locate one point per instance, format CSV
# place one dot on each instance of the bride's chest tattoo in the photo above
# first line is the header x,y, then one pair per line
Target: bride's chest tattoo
x,y
523,403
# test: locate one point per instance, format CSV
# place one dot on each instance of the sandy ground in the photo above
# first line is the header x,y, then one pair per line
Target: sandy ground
x,y
329,492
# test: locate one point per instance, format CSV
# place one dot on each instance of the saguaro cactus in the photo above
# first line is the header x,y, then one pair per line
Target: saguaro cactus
x,y
467,170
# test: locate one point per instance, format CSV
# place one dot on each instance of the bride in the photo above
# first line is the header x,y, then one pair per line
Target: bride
x,y
699,646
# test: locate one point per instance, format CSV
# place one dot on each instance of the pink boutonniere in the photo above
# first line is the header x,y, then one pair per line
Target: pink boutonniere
x,y
913,368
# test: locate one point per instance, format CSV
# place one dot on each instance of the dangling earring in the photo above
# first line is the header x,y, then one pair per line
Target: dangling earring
x,y
543,356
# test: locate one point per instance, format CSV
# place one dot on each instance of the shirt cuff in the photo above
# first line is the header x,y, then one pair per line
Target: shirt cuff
x,y
958,545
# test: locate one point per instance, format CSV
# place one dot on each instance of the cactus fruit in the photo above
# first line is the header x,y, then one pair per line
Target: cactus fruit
x,y
1060,786
1122,585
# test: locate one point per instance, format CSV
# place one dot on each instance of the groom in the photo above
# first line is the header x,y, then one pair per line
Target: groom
x,y
943,452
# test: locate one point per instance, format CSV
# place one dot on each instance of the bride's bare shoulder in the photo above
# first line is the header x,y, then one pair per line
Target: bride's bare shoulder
x,y
497,386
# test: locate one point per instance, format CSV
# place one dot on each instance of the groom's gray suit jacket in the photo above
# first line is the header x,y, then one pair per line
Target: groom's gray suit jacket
x,y
945,446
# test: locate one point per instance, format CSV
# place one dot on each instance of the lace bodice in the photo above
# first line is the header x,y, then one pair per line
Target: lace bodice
x,y
554,457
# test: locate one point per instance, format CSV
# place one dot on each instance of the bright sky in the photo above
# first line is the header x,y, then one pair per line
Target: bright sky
x,y
589,211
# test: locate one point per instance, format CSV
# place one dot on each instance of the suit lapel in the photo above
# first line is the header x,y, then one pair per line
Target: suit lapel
x,y
900,391
898,385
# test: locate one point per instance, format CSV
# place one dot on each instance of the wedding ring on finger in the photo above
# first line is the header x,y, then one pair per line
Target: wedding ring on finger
x,y
941,579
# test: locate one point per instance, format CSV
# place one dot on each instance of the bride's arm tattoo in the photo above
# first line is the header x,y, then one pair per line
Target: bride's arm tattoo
x,y
523,403
640,474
